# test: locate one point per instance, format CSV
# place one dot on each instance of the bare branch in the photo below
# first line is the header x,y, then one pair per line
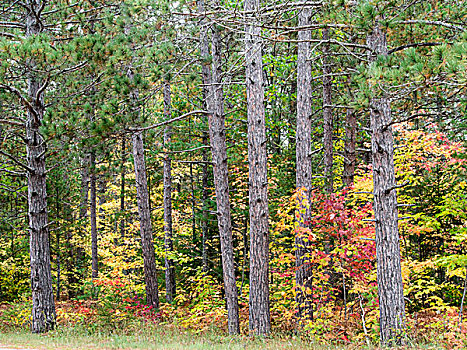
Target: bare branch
x,y
16,161
433,23
183,116
403,47
11,122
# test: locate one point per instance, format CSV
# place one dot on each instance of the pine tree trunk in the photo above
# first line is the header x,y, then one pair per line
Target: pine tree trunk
x,y
388,258
260,320
170,286
327,116
149,260
303,274
122,191
216,121
84,188
205,208
350,159
93,210
206,75
214,99
142,198
77,266
57,238
350,155
43,306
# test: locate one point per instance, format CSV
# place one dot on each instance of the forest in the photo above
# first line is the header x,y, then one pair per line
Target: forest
x,y
273,171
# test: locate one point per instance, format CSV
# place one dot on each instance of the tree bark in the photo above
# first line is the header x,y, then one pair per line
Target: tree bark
x,y
43,306
170,286
84,188
142,194
205,208
350,159
206,75
93,210
216,122
388,259
77,254
122,191
303,274
260,320
149,260
327,116
57,238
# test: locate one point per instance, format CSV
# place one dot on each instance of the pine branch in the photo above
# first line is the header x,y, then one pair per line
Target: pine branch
x,y
403,47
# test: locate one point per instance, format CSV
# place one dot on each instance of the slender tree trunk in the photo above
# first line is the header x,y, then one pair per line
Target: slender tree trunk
x,y
93,209
193,201
57,238
69,258
43,306
77,266
84,188
170,286
205,198
206,75
102,196
142,194
327,115
303,274
149,260
388,258
349,148
459,322
122,191
216,122
260,320
350,156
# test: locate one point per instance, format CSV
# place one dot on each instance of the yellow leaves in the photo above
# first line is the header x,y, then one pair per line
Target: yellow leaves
x,y
459,272
285,259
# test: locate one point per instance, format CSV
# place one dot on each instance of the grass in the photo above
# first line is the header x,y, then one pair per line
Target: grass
x,y
161,338
61,339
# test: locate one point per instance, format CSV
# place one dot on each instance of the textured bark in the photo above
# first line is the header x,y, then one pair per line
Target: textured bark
x,y
350,159
260,320
43,306
77,261
93,210
388,259
57,239
205,208
102,196
303,274
149,260
170,286
122,191
207,91
142,198
84,189
327,116
216,122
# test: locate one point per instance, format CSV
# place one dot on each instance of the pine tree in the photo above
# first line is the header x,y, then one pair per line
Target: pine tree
x,y
260,319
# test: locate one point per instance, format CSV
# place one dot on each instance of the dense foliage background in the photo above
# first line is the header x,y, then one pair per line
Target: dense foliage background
x,y
104,65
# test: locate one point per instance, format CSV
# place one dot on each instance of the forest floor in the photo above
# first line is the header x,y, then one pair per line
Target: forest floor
x,y
68,341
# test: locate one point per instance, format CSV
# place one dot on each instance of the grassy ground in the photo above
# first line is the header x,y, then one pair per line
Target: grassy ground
x,y
64,339
59,340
